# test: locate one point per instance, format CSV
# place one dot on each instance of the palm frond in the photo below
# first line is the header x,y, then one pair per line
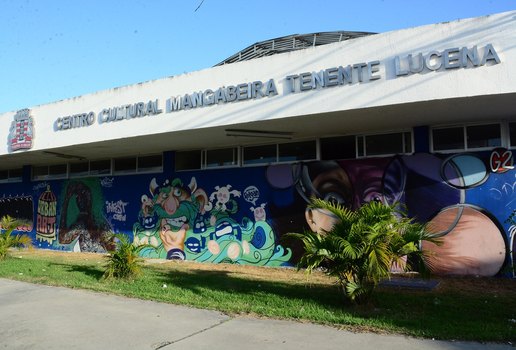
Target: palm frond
x,y
124,261
362,246
8,240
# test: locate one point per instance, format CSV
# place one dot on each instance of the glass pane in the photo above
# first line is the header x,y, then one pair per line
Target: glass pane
x,y
293,151
512,132
39,171
188,160
484,136
79,169
16,174
100,167
125,165
4,175
338,148
260,154
150,163
58,170
221,157
383,144
448,138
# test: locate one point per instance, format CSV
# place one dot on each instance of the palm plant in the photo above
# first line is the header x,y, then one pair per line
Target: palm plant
x,y
124,261
8,240
362,246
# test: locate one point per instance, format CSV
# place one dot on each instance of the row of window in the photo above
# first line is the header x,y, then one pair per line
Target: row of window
x,y
443,139
474,137
118,166
233,156
342,147
11,175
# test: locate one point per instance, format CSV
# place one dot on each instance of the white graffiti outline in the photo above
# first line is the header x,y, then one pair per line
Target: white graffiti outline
x,y
507,189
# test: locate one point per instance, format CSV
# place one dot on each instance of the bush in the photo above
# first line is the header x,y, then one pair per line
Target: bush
x,y
8,240
124,261
362,246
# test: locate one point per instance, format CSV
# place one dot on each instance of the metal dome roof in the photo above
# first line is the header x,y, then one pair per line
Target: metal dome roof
x,y
290,43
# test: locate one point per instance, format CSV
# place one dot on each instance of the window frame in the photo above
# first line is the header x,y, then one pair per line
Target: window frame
x,y
11,179
503,140
48,176
149,170
401,133
277,161
236,158
110,170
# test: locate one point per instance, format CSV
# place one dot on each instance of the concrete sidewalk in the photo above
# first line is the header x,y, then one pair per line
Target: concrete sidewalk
x,y
42,317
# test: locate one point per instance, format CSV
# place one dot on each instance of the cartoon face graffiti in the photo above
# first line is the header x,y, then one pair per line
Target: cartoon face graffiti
x,y
176,206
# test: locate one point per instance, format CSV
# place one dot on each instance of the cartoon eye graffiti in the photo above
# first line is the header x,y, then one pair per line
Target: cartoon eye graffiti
x,y
372,196
335,198
177,192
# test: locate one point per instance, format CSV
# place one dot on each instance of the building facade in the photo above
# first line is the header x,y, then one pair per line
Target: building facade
x,y
217,165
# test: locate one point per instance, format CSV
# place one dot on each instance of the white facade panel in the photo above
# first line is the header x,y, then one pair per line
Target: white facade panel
x,y
380,51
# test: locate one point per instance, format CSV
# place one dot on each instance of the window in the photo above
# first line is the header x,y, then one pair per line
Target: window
x,y
221,157
260,154
293,151
384,144
11,175
44,172
79,169
140,164
343,147
460,138
188,160
283,152
90,168
124,165
512,134
448,139
153,163
202,159
59,170
481,136
100,167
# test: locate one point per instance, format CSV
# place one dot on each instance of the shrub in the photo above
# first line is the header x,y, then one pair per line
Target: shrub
x,y
8,240
362,246
124,261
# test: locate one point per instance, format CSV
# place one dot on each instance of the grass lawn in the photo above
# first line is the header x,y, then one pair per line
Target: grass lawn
x,y
481,309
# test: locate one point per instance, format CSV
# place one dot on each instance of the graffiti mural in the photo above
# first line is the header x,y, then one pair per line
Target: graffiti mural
x,y
240,215
20,208
46,228
181,222
83,225
448,192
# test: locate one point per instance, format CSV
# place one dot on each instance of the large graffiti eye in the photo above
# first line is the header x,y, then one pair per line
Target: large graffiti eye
x,y
177,192
335,198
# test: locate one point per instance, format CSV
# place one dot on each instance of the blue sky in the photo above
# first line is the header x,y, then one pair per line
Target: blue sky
x,y
56,49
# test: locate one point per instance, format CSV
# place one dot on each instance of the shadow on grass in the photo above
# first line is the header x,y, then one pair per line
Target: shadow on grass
x,y
90,271
222,281
429,314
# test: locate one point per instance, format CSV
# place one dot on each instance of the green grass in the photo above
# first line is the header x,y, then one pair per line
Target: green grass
x,y
460,313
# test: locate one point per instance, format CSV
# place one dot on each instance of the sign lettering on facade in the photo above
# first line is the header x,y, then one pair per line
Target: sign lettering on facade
x,y
356,73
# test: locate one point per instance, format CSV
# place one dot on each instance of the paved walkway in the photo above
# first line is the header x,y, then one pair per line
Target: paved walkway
x,y
42,317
